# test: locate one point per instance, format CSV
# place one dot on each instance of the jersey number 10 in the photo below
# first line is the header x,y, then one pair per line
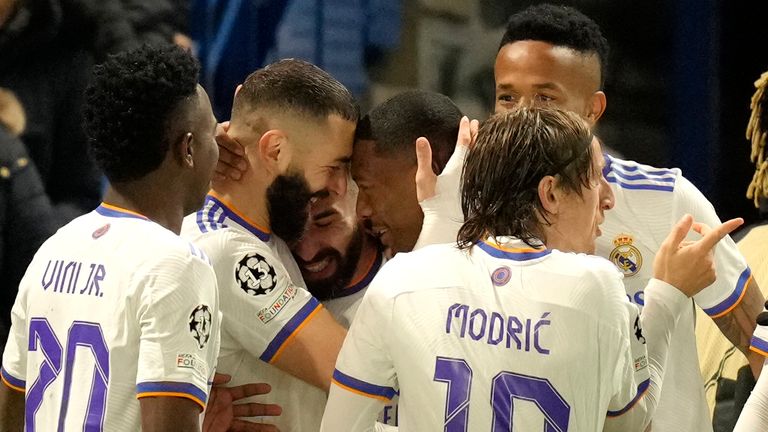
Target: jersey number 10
x,y
506,387
81,334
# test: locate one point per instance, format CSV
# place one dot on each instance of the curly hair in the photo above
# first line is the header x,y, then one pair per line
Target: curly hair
x,y
513,152
562,26
130,104
757,131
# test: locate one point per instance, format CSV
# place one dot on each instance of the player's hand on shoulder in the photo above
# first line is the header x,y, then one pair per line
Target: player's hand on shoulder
x,y
231,164
690,265
222,414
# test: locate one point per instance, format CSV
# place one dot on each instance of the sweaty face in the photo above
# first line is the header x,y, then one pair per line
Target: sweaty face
x,y
205,150
534,72
579,217
328,253
387,201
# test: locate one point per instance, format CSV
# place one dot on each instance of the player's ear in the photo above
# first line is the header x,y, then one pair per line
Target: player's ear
x,y
597,107
273,151
184,150
549,195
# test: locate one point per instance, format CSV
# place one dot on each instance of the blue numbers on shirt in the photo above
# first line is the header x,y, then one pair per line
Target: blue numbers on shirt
x,y
81,334
506,387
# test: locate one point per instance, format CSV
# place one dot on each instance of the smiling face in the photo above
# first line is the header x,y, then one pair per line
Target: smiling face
x,y
330,249
387,202
534,72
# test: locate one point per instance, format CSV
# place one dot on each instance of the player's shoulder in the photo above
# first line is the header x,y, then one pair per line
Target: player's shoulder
x,y
630,176
223,243
433,266
584,267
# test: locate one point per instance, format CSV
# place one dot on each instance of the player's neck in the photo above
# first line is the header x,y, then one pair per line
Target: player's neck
x,y
165,209
368,254
248,197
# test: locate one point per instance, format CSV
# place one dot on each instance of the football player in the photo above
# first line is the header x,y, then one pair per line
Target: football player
x,y
116,324
518,329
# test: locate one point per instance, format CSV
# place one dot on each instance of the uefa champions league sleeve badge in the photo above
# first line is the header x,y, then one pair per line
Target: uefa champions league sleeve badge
x,y
625,256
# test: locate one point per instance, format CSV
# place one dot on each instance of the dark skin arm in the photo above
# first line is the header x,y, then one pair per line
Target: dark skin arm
x,y
11,410
738,325
222,414
169,414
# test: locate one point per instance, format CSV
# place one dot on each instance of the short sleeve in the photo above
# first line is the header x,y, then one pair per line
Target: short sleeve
x,y
364,366
759,342
632,376
14,367
733,274
263,308
179,322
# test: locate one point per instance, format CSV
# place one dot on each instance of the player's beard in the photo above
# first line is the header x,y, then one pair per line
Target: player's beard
x,y
332,286
288,205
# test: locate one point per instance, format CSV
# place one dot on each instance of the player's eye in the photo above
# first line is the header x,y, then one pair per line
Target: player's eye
x,y
544,98
506,98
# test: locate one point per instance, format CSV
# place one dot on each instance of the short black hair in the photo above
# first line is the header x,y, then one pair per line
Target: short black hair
x,y
395,125
296,86
562,26
129,104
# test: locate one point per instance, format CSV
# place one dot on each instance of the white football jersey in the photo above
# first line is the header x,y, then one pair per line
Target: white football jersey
x,y
112,308
649,202
344,309
264,303
499,338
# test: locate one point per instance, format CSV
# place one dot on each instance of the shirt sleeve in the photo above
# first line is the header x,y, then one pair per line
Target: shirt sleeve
x,y
641,371
733,274
263,308
179,321
754,416
13,371
365,376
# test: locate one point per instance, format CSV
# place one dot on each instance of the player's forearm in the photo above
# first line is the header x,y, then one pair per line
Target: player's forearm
x,y
11,410
347,411
169,414
311,355
663,306
738,325
754,416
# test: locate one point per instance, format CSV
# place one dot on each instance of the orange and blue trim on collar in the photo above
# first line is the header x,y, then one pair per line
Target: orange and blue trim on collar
x,y
110,210
515,254
363,281
215,201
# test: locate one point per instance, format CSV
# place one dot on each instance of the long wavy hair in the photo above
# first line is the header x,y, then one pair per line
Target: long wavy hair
x,y
513,152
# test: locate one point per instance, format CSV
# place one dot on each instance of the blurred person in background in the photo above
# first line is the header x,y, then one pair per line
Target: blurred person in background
x,y
26,215
728,380
48,48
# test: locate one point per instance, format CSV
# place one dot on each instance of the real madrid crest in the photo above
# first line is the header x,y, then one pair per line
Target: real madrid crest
x,y
626,256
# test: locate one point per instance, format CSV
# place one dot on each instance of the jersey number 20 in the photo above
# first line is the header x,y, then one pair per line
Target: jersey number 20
x,y
81,334
505,388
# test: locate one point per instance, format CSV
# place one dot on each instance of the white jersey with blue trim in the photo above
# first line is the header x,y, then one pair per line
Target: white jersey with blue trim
x,y
649,202
112,308
264,302
499,338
